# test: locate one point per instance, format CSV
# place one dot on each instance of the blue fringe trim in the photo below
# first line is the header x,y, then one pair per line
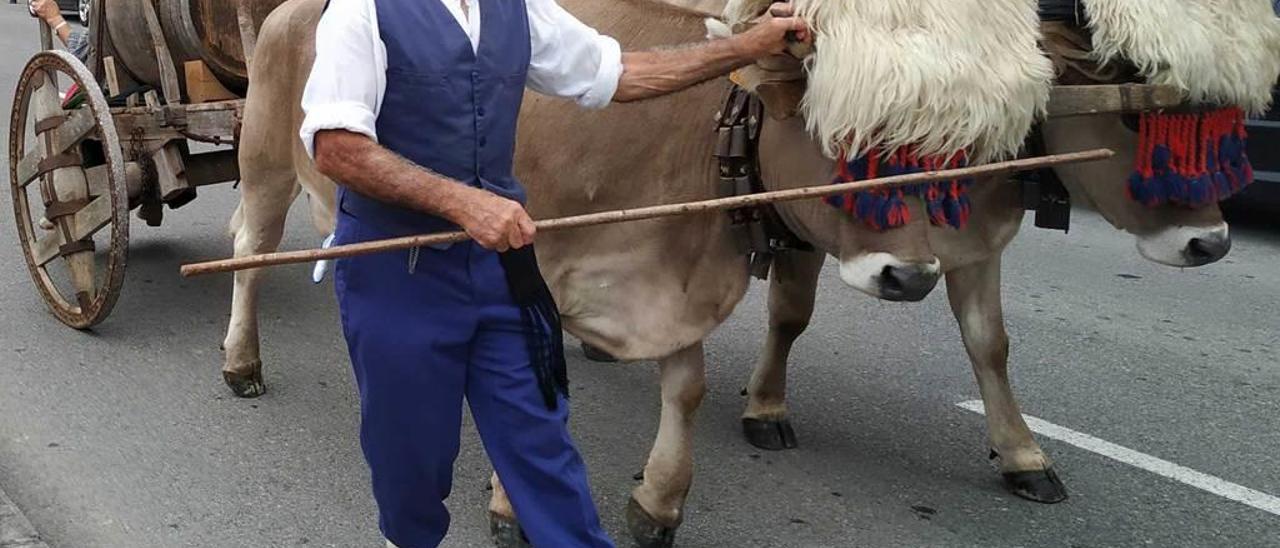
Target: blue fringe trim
x,y
946,202
1214,140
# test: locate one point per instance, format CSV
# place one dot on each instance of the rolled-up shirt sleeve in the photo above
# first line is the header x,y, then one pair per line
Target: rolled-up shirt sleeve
x,y
570,59
348,78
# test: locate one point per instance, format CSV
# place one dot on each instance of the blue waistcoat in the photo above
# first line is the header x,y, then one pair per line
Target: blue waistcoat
x,y
447,108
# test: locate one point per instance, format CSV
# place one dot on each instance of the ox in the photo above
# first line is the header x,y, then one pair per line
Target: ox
x,y
1216,66
654,289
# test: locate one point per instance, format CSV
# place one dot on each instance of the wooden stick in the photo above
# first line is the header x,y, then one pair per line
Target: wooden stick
x,y
46,35
652,212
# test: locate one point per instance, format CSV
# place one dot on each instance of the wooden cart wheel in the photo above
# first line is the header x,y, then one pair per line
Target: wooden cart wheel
x,y
67,175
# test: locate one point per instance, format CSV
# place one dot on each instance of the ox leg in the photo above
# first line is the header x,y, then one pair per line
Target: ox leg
x,y
792,289
503,527
657,505
974,292
264,203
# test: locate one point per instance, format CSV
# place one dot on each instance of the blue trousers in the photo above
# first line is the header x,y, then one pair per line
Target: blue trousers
x,y
420,341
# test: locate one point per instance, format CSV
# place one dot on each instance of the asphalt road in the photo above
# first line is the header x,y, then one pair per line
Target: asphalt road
x,y
126,437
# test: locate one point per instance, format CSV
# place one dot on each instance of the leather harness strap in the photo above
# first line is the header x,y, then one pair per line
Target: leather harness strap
x,y
759,231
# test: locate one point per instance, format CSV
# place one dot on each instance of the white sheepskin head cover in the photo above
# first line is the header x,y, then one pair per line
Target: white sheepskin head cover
x,y
1221,52
941,75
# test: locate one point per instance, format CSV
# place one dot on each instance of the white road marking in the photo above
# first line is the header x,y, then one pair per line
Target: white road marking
x,y
1199,480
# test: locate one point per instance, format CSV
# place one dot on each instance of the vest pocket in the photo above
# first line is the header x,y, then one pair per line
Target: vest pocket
x,y
417,78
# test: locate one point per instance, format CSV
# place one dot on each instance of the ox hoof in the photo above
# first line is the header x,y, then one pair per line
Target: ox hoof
x,y
770,435
246,385
1037,485
597,355
646,531
506,532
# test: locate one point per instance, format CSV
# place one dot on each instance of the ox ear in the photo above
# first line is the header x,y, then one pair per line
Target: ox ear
x,y
717,29
780,92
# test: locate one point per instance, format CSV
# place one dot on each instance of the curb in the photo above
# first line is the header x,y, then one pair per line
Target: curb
x,y
15,530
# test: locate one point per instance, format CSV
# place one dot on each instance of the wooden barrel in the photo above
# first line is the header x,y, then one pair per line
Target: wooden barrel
x,y
207,30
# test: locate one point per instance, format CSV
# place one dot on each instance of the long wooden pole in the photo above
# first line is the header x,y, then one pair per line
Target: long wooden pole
x,y
652,212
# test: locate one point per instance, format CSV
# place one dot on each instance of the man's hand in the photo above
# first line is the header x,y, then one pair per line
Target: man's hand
x,y
647,74
770,33
495,222
47,10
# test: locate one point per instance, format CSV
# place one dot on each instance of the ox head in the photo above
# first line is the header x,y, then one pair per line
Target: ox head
x,y
897,76
894,265
1214,55
1170,234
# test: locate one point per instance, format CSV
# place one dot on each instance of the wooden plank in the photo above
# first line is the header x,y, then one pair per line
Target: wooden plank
x,y
75,128
28,165
202,85
99,180
171,173
248,32
219,121
113,78
229,105
1110,99
90,219
168,74
213,167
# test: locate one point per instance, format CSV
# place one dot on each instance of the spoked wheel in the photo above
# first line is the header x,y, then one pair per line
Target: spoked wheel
x,y
70,200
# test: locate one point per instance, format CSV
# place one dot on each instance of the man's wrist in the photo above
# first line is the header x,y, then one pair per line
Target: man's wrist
x,y
740,46
459,203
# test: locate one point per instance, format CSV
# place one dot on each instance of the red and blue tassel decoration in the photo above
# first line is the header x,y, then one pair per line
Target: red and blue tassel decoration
x,y
946,202
1190,159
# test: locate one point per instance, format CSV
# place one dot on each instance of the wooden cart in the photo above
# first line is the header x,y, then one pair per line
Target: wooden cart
x,y
78,164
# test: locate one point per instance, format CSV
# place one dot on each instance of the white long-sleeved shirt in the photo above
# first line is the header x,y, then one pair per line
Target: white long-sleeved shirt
x,y
347,82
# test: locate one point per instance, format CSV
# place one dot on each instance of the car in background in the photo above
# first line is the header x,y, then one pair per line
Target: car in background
x,y
1260,201
80,8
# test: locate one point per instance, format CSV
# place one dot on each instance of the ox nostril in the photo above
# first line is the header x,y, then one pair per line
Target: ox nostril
x,y
890,280
906,283
1202,251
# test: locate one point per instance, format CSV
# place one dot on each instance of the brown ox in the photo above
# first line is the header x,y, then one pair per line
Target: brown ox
x,y
1171,235
654,289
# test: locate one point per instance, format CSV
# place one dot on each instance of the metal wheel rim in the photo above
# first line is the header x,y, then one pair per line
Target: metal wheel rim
x,y
106,294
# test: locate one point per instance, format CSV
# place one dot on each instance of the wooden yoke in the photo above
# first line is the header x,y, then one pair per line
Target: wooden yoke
x,y
1109,99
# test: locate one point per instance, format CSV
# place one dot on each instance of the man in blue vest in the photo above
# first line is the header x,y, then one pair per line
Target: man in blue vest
x,y
411,106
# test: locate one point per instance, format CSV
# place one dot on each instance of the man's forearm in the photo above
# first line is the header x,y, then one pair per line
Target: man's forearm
x,y
653,73
366,167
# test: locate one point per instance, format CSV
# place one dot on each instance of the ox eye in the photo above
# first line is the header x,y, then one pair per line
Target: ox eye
x,y
1131,121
